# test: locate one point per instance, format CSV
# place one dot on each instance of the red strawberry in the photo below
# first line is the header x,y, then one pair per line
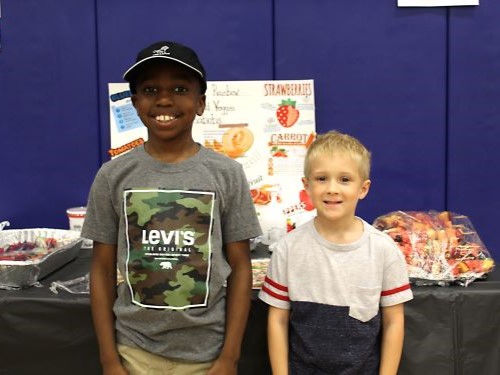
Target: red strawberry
x,y
286,113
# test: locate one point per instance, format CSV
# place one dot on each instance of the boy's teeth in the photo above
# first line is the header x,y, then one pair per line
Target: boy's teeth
x,y
164,118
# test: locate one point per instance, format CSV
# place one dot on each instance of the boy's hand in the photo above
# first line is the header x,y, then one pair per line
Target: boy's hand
x,y
223,366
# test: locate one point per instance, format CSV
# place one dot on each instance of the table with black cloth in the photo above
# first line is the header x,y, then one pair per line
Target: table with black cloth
x,y
449,330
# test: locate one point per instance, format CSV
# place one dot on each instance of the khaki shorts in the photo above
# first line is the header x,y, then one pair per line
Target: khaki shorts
x,y
141,362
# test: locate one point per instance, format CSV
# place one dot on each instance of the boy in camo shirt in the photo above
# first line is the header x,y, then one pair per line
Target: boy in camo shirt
x,y
176,219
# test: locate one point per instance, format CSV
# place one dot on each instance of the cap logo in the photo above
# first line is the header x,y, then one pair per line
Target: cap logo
x,y
161,52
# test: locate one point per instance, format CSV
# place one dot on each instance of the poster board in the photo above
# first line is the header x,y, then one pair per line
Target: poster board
x,y
266,126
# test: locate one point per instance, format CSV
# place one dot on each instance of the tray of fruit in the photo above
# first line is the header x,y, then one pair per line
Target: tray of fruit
x,y
28,255
440,247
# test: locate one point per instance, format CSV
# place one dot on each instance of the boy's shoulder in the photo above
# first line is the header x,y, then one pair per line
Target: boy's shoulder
x,y
383,242
220,165
218,158
376,233
299,234
127,159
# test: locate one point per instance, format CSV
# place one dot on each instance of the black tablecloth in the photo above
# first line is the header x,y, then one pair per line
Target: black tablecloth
x,y
44,333
453,330
449,330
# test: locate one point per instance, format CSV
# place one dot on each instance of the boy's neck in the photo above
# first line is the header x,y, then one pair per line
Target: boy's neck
x,y
172,152
340,232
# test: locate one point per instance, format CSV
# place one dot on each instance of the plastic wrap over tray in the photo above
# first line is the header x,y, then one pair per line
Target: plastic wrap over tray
x,y
440,248
38,262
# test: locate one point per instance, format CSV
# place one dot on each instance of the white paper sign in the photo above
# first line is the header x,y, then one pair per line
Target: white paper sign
x,y
435,3
266,126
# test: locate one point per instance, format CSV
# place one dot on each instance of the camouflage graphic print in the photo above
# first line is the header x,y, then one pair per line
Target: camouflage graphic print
x,y
168,247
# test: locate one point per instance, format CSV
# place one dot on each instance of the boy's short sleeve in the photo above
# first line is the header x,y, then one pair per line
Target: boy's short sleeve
x,y
274,290
101,220
396,286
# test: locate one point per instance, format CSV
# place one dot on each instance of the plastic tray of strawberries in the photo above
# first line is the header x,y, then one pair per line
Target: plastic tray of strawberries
x,y
28,255
440,247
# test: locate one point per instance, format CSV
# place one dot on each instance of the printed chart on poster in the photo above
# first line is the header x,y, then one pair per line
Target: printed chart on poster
x,y
266,126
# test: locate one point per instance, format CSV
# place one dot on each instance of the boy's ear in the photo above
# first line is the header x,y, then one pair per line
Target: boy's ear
x,y
305,183
201,105
133,98
365,187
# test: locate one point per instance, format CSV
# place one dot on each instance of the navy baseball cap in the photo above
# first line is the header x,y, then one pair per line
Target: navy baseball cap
x,y
171,51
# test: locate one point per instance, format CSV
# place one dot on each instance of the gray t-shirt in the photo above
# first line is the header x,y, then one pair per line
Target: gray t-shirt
x,y
170,222
334,293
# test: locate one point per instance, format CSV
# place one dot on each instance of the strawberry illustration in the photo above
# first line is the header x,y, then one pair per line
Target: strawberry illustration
x,y
304,198
287,114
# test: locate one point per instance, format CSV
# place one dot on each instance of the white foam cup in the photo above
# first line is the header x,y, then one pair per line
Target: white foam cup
x,y
76,216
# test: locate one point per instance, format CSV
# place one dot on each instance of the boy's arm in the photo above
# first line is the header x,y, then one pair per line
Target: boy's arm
x,y
238,297
277,338
392,338
102,298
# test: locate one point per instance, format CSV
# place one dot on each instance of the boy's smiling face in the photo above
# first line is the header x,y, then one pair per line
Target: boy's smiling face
x,y
335,186
167,101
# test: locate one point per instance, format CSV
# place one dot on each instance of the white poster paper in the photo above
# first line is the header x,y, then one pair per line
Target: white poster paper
x,y
266,126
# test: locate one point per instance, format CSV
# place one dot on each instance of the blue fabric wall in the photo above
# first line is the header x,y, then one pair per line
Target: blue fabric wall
x,y
419,86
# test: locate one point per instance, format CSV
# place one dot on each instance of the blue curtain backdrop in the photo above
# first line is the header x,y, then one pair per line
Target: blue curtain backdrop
x,y
419,86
